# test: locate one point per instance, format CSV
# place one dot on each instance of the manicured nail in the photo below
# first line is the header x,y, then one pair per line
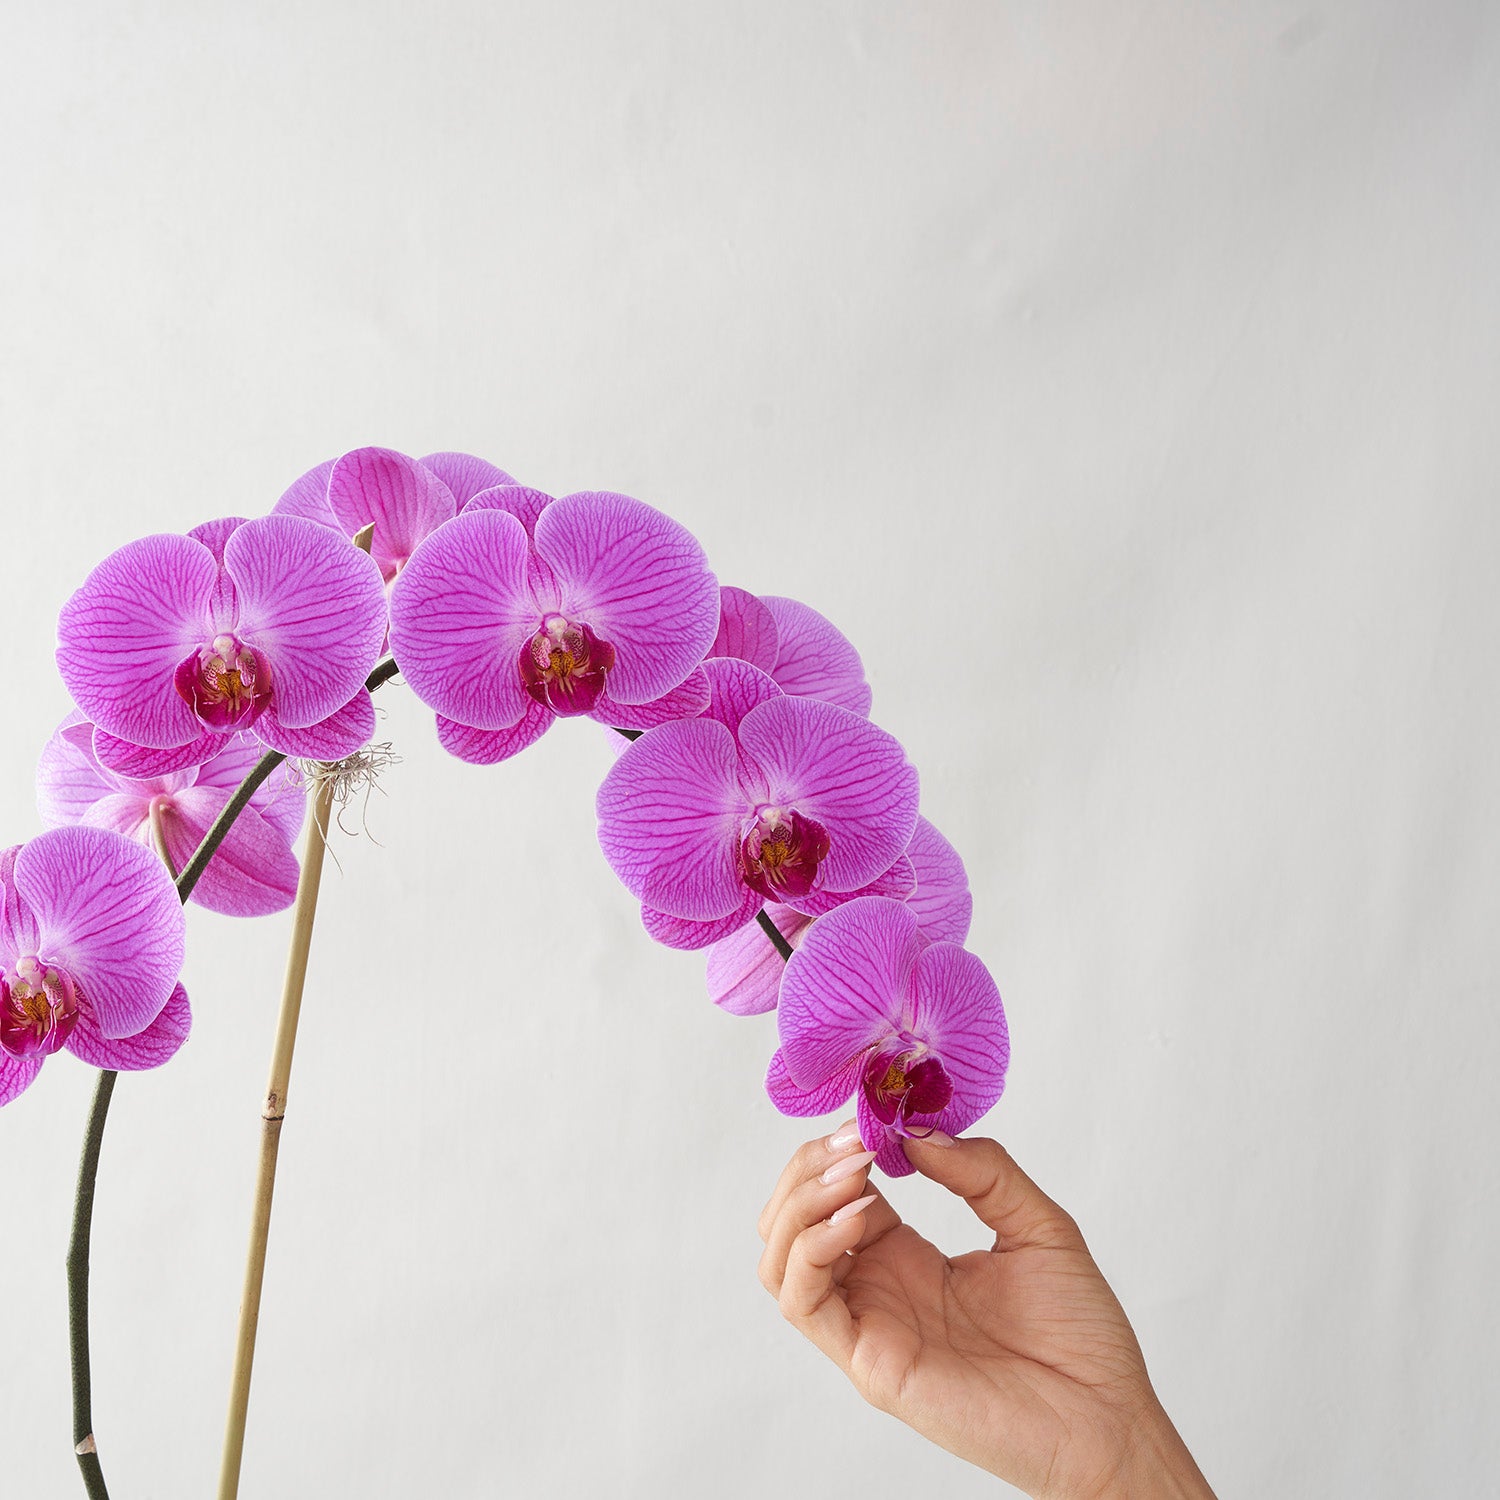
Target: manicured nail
x,y
846,1137
935,1138
849,1210
847,1167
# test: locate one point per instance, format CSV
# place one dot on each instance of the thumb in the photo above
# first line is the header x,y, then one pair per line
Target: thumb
x,y
983,1173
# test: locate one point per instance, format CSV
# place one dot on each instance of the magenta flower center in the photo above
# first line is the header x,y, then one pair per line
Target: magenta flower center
x,y
225,683
781,853
564,666
38,1007
900,1084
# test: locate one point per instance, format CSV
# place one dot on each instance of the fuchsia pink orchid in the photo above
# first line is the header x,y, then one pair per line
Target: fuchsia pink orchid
x,y
92,939
254,871
525,609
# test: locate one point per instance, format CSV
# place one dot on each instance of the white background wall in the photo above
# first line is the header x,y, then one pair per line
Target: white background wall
x,y
1122,379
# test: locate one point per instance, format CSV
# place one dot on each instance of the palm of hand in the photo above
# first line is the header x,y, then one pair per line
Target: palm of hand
x,y
1017,1350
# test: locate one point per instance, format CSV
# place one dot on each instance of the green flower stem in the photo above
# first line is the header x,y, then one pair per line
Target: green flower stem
x,y
88,1166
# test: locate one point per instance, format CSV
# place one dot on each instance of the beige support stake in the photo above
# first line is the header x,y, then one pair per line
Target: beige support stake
x,y
272,1114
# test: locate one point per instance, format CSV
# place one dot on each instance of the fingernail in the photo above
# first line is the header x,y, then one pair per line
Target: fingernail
x,y
849,1210
936,1138
846,1137
847,1167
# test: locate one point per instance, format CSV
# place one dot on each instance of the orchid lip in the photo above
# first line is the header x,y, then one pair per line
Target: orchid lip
x,y
564,666
781,851
226,683
38,1007
899,1084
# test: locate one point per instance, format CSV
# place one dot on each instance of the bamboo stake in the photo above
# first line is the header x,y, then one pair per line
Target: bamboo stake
x,y
272,1114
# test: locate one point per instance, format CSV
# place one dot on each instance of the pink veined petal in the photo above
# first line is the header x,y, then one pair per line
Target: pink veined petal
x,y
402,498
828,1096
465,475
890,1156
17,1074
669,811
342,733
17,922
814,659
460,613
253,872
213,534
942,900
898,882
685,701
744,969
142,763
308,497
639,580
68,778
956,1008
149,1048
517,500
107,911
278,799
126,813
843,988
315,605
843,771
488,747
747,630
735,687
688,936
121,636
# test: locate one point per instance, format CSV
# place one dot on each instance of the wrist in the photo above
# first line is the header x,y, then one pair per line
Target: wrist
x,y
1154,1462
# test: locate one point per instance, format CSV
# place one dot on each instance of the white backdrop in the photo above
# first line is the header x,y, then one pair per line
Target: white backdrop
x,y
1122,379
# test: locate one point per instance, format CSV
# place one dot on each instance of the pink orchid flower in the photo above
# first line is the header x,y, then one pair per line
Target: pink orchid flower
x,y
405,499
915,1030
91,944
253,871
765,798
800,651
744,970
271,626
525,609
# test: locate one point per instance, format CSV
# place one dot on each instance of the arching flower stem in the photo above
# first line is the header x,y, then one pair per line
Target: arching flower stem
x,y
88,1167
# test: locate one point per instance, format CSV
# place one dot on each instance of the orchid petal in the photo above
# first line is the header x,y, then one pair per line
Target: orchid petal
x,y
308,497
213,534
460,614
142,763
669,811
640,580
17,1074
68,778
315,605
688,936
253,871
685,701
942,900
842,989
823,1100
843,771
735,688
747,630
488,747
955,1007
465,475
18,933
517,500
342,733
744,969
107,911
125,813
148,1048
815,660
122,635
404,501
278,799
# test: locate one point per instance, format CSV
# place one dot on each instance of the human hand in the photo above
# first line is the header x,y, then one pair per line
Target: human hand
x,y
1018,1359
